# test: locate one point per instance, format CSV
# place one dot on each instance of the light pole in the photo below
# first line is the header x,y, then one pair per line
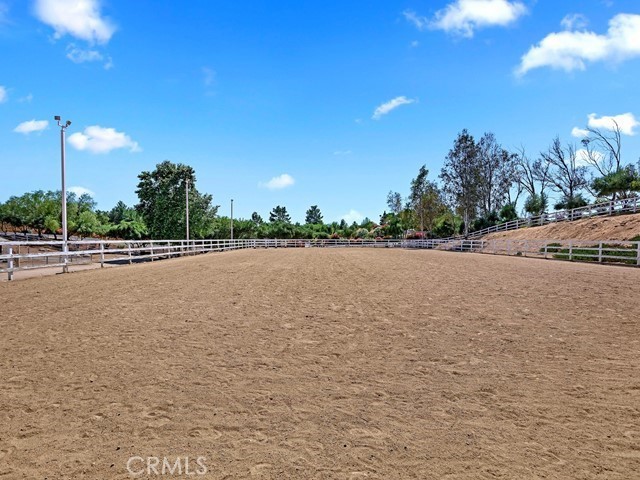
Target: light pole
x,y
186,186
232,219
65,247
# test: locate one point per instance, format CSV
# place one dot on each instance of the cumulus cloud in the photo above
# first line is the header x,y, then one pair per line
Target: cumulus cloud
x,y
277,183
573,50
626,122
3,94
391,105
81,19
79,191
352,216
97,139
31,126
579,132
463,17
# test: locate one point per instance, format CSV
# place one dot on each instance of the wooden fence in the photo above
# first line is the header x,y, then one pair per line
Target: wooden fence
x,y
16,256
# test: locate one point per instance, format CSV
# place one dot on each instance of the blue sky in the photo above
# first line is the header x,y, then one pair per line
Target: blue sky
x,y
274,102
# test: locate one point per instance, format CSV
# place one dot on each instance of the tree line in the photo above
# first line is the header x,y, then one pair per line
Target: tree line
x,y
480,184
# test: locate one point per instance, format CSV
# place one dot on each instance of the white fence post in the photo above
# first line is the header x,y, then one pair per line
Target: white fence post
x,y
102,254
129,248
10,265
600,252
638,255
570,251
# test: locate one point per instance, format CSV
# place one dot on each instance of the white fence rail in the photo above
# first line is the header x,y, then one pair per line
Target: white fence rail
x,y
624,205
15,256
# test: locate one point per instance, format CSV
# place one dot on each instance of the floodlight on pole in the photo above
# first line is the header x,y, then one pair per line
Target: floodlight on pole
x,y
65,246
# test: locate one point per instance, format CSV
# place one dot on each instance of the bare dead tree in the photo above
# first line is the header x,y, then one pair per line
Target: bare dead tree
x,y
524,170
604,149
566,176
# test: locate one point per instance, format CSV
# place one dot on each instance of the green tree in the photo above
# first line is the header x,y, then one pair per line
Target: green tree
x,y
497,174
162,202
536,204
313,215
256,219
394,202
460,177
279,214
620,183
425,199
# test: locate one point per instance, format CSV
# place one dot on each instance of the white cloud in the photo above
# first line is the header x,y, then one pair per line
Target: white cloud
x,y
463,17
26,99
31,126
3,94
276,183
419,22
79,191
574,21
627,122
414,44
79,18
342,153
353,216
79,55
97,139
572,50
579,132
391,105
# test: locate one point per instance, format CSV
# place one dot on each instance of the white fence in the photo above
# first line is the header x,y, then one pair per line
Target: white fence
x,y
16,256
624,205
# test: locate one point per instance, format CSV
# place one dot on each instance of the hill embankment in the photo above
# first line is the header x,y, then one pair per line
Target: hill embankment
x,y
617,227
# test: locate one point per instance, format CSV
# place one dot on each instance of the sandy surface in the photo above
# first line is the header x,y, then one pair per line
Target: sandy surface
x,y
324,363
617,227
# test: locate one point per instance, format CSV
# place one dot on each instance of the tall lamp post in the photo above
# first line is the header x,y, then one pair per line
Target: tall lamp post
x,y
65,246
186,186
232,219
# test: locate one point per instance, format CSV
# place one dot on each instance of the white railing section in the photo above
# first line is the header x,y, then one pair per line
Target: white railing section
x,y
15,256
624,205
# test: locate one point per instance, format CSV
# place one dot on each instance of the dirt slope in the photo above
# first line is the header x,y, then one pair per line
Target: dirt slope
x,y
620,227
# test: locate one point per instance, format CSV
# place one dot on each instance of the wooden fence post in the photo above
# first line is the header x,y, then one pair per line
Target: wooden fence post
x,y
638,255
570,251
546,246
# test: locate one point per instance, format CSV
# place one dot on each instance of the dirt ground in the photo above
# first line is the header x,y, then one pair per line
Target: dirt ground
x,y
617,227
324,363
